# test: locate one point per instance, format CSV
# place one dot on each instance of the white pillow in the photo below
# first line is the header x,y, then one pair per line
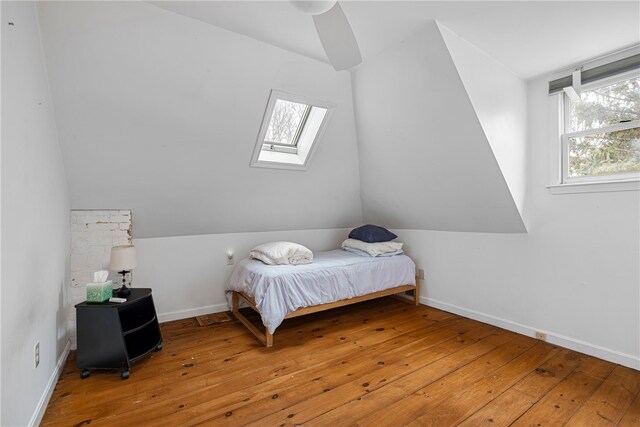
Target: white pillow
x,y
367,254
373,249
277,253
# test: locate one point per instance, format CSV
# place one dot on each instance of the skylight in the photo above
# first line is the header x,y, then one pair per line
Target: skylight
x,y
290,130
286,123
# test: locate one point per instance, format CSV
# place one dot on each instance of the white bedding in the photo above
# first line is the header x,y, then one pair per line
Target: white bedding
x,y
373,249
333,276
278,253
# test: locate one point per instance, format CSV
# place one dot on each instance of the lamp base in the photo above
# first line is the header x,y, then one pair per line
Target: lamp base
x,y
123,292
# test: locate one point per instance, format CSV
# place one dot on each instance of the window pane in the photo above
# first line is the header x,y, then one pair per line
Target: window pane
x,y
605,153
285,121
606,105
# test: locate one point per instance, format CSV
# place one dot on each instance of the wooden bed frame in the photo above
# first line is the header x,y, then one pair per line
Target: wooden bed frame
x,y
266,337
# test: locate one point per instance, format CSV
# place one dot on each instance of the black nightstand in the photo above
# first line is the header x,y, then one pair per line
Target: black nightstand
x,y
113,336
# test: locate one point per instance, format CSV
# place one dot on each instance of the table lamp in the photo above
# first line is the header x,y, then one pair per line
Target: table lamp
x,y
123,260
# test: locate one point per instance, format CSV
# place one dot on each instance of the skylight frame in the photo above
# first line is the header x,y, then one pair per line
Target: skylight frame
x,y
318,116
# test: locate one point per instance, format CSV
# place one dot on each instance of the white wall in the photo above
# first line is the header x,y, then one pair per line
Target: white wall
x,y
499,99
188,273
575,275
425,159
93,234
160,113
35,223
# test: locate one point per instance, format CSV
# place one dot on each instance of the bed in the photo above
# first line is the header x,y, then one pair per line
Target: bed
x,y
335,278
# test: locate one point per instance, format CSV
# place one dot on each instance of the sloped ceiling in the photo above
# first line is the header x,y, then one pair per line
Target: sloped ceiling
x,y
426,162
160,113
509,31
499,99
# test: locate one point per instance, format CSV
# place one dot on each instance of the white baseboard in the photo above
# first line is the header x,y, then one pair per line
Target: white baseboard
x,y
36,418
191,312
623,359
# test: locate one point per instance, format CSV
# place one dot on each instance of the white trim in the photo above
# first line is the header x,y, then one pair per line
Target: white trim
x,y
192,312
36,418
604,129
556,129
595,187
624,359
279,148
608,177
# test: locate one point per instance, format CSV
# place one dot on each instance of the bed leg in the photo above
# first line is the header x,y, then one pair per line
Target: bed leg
x,y
266,338
416,292
234,302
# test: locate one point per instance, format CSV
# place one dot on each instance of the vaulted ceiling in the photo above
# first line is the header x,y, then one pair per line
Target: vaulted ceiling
x,y
529,37
159,112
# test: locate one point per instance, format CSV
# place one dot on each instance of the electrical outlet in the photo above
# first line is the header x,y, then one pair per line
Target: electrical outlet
x,y
229,258
36,355
541,336
421,273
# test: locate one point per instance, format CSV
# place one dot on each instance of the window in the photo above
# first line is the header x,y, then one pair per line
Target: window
x,y
290,131
601,137
286,124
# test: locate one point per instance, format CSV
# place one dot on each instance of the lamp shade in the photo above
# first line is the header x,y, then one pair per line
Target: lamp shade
x,y
123,258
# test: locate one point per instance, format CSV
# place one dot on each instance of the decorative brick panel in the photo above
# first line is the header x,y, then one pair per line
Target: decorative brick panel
x,y
93,234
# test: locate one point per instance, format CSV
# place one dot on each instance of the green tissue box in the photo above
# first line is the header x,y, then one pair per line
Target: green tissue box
x,y
99,292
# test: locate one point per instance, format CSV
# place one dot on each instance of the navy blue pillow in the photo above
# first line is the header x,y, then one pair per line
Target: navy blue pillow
x,y
372,234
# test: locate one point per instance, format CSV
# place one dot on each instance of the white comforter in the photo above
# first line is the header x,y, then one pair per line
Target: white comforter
x,y
335,275
278,253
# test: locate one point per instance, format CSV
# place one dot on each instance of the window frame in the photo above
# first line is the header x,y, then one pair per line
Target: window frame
x,y
565,120
287,148
296,157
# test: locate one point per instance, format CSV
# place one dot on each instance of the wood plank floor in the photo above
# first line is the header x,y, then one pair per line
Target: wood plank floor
x,y
381,362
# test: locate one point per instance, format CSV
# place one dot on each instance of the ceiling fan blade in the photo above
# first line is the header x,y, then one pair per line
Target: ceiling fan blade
x,y
337,38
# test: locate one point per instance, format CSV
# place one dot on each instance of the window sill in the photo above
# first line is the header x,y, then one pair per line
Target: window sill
x,y
595,187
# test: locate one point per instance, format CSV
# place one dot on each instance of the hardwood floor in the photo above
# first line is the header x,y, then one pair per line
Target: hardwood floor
x,y
381,362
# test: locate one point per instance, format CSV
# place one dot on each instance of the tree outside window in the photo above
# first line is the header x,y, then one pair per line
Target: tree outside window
x,y
603,130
